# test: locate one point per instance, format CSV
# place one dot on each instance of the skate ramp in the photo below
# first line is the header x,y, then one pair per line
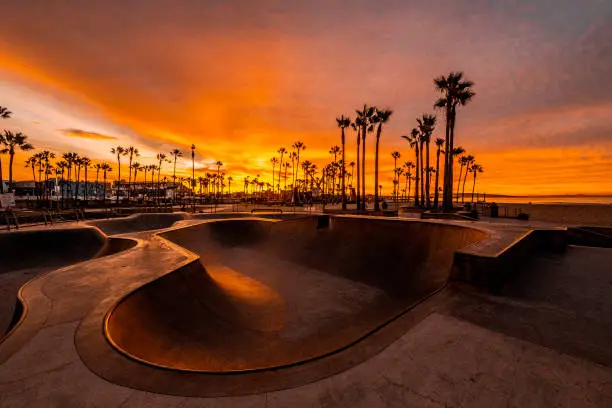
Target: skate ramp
x,y
269,294
138,222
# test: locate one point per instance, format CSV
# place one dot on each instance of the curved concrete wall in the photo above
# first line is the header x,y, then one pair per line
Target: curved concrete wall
x,y
138,222
270,294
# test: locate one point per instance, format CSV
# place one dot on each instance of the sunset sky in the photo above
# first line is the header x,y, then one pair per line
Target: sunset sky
x,y
242,78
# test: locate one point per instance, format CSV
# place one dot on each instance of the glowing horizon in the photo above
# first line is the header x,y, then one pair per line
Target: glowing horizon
x,y
240,81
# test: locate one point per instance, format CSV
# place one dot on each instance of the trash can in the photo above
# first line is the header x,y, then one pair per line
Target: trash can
x,y
494,210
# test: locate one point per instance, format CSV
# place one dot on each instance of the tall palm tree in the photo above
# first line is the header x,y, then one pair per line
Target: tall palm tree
x,y
85,162
131,152
469,160
13,141
367,116
119,151
334,150
343,122
78,163
287,165
219,164
229,185
380,117
427,124
193,180
298,146
105,169
456,91
274,162
395,155
458,151
98,167
31,163
439,143
475,169
46,156
282,152
60,170
356,126
176,153
409,166
161,158
413,139
136,167
462,164
5,113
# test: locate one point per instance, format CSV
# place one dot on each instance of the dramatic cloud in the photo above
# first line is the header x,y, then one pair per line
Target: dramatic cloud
x,y
86,135
240,79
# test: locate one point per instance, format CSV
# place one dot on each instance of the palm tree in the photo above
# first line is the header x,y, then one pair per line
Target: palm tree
x,y
5,113
380,117
427,124
136,167
298,146
356,126
119,151
282,152
229,185
458,151
439,142
455,92
105,169
306,165
193,180
334,150
476,168
395,155
85,161
78,162
176,153
366,116
13,141
161,158
45,156
413,139
132,152
462,163
98,167
219,164
343,122
469,160
409,166
274,162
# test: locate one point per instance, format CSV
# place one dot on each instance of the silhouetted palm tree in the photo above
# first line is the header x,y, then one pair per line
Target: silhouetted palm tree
x,y
439,143
395,155
356,126
343,122
98,167
219,164
5,113
380,117
455,92
458,151
469,160
282,152
298,146
414,141
475,169
274,162
287,165
161,158
193,180
427,124
85,162
13,141
105,169
119,151
176,153
131,152
366,116
136,167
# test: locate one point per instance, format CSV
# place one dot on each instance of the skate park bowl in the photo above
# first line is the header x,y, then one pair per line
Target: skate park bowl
x,y
28,254
266,294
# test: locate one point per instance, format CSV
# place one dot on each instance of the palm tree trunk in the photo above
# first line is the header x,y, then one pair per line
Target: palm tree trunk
x,y
1,183
436,194
86,185
447,189
473,187
363,184
417,177
464,180
376,205
428,172
423,176
11,158
459,183
358,196
118,179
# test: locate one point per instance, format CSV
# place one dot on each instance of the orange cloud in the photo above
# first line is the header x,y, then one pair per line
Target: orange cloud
x,y
86,135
